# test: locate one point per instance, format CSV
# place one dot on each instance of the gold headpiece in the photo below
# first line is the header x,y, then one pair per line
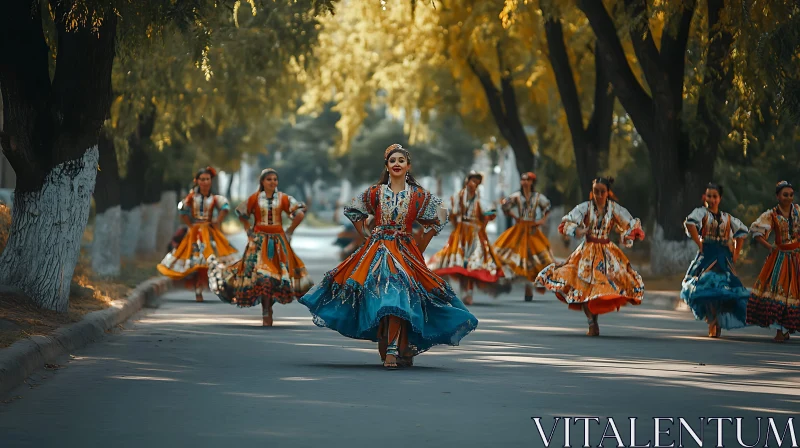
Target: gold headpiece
x,y
395,147
266,171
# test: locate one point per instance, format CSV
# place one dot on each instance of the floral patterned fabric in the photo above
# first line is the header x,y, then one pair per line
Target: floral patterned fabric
x,y
597,273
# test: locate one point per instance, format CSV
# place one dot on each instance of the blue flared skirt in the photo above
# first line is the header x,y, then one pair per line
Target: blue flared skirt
x,y
711,283
352,299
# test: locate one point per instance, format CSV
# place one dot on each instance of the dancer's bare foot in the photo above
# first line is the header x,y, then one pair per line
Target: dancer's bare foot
x,y
468,299
198,297
390,362
267,321
594,330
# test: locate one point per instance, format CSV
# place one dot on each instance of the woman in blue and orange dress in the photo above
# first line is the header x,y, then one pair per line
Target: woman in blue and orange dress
x,y
775,298
597,278
468,256
711,287
384,292
189,260
523,248
270,271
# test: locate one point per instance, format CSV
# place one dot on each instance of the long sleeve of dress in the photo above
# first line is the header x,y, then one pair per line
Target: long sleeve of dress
x,y
434,216
573,219
358,210
738,229
762,226
626,225
544,204
695,219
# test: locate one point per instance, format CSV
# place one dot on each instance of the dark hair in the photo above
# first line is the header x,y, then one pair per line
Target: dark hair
x,y
264,175
207,170
781,185
713,186
394,148
608,182
527,176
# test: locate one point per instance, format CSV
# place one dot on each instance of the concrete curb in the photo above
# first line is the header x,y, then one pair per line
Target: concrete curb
x,y
665,300
23,358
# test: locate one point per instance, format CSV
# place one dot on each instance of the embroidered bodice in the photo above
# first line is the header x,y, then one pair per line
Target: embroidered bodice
x,y
720,228
268,211
771,221
398,210
530,209
467,209
201,208
615,217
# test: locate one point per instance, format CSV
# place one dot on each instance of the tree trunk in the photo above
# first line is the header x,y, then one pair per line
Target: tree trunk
x,y
169,218
151,210
657,118
503,105
590,143
107,224
46,231
49,133
228,189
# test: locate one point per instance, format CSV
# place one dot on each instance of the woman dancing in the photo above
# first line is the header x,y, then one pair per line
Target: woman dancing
x,y
189,260
270,271
468,256
711,288
775,298
523,248
384,292
597,278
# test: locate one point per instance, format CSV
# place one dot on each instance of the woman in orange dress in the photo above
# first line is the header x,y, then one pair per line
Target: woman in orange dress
x,y
523,248
468,256
775,298
597,278
203,239
384,292
270,271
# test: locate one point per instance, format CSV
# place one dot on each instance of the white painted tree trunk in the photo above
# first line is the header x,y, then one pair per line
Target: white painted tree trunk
x,y
151,214
46,231
169,219
131,223
106,243
670,257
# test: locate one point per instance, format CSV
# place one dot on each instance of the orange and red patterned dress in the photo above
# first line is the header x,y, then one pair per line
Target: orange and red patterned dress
x,y
468,255
201,241
775,298
597,273
269,270
387,277
523,248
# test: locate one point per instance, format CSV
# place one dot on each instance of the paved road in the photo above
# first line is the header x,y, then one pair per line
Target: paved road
x,y
207,375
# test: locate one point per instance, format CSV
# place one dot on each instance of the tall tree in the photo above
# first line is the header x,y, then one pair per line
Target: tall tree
x,y
680,165
51,121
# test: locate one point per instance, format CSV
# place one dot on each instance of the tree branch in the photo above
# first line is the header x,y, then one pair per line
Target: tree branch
x,y
673,48
565,80
643,44
493,96
627,88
